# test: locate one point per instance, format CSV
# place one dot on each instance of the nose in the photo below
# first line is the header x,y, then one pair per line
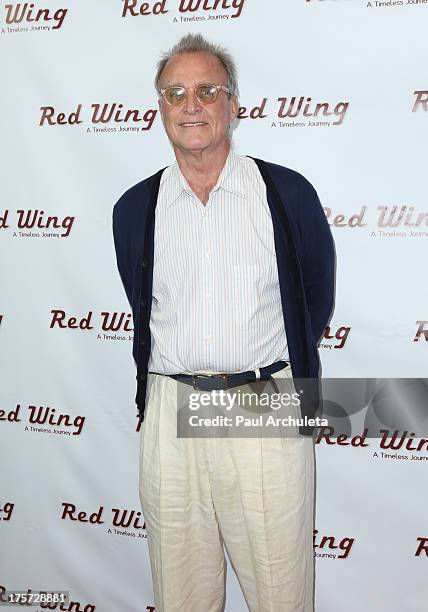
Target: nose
x,y
191,103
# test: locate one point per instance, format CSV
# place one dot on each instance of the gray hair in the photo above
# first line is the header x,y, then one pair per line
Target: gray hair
x,y
196,43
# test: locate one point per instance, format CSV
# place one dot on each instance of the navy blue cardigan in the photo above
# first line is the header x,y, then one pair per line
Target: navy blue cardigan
x,y
305,257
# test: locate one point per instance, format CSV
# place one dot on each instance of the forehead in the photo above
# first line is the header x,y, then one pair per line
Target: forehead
x,y
191,68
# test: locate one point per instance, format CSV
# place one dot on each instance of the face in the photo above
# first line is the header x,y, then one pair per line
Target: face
x,y
193,126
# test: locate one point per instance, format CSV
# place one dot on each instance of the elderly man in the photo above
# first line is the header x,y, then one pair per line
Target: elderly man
x,y
227,262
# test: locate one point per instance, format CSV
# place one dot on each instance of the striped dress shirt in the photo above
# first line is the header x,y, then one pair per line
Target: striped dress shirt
x,y
216,304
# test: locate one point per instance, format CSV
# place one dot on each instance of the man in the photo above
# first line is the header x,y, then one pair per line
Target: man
x,y
227,262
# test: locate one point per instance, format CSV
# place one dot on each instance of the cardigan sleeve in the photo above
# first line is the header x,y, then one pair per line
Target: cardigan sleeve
x,y
317,260
121,249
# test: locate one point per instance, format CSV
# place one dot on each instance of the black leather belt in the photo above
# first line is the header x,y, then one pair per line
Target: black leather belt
x,y
211,382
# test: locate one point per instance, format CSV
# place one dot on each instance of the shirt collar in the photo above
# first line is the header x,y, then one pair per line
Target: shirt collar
x,y
227,179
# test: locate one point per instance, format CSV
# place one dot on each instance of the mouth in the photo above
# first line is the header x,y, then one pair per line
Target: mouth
x,y
193,124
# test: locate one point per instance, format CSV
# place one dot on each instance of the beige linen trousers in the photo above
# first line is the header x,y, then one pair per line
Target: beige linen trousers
x,y
253,497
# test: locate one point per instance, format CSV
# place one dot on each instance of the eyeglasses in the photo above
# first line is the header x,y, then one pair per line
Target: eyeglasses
x,y
206,93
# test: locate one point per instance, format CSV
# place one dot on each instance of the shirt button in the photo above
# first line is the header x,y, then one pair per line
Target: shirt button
x,y
204,214
208,339
145,263
207,254
143,303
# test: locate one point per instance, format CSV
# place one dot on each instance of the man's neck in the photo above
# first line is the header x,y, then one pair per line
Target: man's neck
x,y
201,169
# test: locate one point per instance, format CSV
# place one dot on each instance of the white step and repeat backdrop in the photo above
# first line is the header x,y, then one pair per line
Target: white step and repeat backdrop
x,y
336,89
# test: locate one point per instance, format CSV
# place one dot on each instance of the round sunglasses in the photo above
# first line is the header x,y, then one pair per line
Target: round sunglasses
x,y
205,93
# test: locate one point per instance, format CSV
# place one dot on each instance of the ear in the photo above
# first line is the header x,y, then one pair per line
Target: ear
x,y
234,108
160,106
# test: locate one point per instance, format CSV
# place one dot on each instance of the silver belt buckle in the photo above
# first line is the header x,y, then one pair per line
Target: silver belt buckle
x,y
224,377
199,376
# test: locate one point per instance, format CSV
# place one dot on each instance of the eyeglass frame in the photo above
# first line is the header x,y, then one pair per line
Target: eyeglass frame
x,y
218,88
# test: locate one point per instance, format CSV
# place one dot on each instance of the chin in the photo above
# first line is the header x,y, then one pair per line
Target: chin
x,y
195,144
